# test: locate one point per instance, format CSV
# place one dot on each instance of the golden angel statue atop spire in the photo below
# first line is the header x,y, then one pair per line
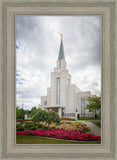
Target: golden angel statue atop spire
x,y
61,35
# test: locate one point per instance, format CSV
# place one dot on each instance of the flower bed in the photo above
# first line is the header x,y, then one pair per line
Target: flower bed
x,y
61,134
20,120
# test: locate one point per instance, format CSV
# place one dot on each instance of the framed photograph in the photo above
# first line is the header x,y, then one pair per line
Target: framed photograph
x,y
65,96
58,67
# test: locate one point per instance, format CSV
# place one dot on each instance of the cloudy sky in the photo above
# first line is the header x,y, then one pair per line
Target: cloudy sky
x,y
37,48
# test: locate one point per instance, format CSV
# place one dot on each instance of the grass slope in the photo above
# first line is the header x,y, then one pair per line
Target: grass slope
x,y
45,140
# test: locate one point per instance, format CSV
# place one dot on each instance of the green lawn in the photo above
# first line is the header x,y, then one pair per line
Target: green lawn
x,y
45,140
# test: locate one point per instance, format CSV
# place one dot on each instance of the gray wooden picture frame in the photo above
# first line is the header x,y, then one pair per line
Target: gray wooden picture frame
x,y
107,9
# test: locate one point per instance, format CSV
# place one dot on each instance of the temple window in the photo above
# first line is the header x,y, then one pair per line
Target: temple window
x,y
45,103
82,106
58,91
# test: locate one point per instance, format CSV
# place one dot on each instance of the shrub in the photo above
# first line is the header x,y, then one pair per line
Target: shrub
x,y
27,122
31,122
44,127
95,116
19,127
78,116
40,116
53,127
73,119
33,128
48,117
39,125
68,122
73,126
52,117
29,125
82,128
58,124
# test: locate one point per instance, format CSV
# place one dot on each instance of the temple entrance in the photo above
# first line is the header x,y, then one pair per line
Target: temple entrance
x,y
55,109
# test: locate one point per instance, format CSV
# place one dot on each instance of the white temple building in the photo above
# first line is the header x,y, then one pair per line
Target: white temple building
x,y
63,96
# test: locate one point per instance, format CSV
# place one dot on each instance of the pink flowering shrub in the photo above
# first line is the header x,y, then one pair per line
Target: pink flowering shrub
x,y
61,134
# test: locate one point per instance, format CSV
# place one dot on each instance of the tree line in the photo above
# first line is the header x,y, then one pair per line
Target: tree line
x,y
20,112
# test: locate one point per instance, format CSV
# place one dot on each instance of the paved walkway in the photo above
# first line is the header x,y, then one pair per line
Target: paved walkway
x,y
94,129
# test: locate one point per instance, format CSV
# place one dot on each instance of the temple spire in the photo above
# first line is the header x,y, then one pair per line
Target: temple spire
x,y
61,51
